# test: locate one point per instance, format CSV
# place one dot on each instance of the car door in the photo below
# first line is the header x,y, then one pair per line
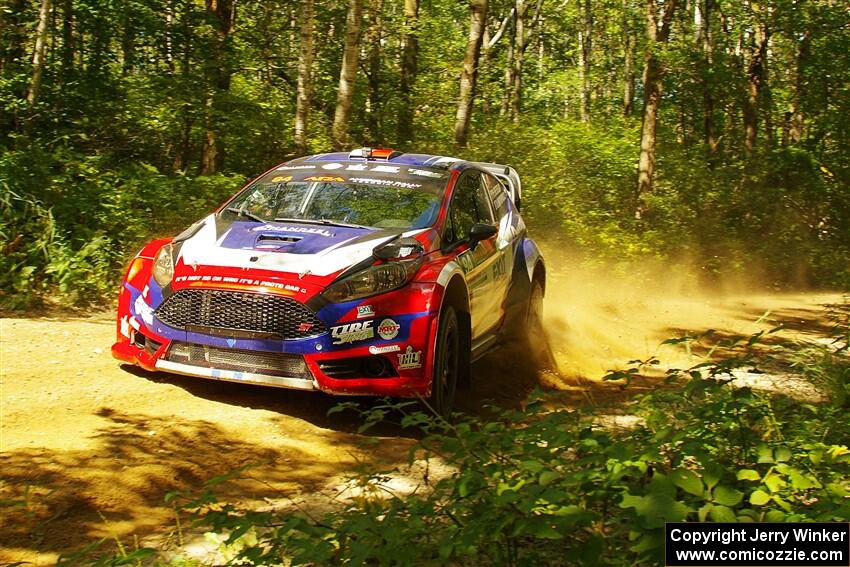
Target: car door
x,y
470,205
506,240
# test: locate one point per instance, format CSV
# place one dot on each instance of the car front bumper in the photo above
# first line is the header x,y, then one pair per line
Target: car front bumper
x,y
157,355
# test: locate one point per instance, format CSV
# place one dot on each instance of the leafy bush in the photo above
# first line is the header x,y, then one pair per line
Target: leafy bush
x,y
551,486
70,222
71,218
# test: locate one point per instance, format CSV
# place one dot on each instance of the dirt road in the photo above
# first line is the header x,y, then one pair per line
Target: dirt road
x,y
89,447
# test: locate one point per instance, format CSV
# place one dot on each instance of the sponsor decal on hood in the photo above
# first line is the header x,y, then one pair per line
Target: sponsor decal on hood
x,y
283,247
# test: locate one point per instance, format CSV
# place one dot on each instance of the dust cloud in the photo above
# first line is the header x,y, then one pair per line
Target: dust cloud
x,y
599,318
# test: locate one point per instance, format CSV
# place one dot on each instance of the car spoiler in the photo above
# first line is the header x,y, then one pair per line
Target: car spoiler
x,y
509,178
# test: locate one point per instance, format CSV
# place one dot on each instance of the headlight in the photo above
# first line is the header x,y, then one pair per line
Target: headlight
x,y
371,281
163,266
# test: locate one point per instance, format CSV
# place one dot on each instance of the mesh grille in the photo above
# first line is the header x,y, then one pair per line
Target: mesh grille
x,y
361,366
258,362
264,315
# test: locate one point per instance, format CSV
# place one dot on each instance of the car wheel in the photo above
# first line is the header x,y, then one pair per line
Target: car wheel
x,y
534,334
446,363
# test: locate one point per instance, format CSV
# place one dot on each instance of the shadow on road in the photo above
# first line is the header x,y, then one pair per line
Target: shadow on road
x,y
57,501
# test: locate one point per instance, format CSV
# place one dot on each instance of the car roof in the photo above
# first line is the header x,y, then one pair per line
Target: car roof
x,y
422,160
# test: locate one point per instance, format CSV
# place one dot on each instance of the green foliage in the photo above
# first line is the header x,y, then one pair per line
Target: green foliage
x,y
551,486
130,92
70,224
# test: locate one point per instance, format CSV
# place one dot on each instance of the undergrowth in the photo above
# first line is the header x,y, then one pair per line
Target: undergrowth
x,y
545,485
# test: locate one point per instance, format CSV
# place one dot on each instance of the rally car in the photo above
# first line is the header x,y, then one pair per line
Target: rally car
x,y
373,272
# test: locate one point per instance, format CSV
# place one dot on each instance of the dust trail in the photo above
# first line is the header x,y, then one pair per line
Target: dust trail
x,y
599,318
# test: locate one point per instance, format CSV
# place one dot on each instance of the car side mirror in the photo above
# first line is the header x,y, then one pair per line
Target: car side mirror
x,y
481,231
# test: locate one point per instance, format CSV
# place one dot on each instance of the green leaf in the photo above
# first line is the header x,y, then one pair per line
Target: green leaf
x,y
801,481
646,543
759,498
748,474
774,482
446,548
688,481
711,475
727,496
656,508
765,454
545,531
546,477
722,514
661,484
782,454
774,516
463,487
782,502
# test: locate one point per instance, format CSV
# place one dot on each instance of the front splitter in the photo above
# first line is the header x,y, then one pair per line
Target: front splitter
x,y
237,376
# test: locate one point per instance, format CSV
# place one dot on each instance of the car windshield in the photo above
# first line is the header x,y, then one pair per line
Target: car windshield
x,y
390,197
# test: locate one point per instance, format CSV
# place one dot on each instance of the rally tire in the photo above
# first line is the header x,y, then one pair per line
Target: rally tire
x,y
534,333
447,359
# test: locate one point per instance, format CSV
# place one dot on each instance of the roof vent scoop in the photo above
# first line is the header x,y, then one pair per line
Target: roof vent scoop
x,y
373,153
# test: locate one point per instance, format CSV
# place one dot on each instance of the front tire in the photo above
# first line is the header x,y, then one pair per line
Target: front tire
x,y
446,363
534,333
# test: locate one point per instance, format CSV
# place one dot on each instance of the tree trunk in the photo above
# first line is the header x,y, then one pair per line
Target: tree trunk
x,y
795,128
522,39
211,155
169,36
469,74
766,102
219,69
128,41
182,155
347,74
652,74
541,51
373,101
39,53
703,16
67,40
518,60
755,80
409,54
585,38
628,72
305,76
509,68
487,44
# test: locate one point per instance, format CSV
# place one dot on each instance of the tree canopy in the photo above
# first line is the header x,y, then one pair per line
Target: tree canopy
x,y
662,127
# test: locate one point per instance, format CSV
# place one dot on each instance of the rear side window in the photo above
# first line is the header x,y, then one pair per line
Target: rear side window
x,y
498,195
470,205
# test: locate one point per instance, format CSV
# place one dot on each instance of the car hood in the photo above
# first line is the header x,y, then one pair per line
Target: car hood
x,y
296,248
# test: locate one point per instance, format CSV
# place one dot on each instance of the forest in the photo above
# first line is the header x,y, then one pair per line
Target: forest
x,y
704,130
654,138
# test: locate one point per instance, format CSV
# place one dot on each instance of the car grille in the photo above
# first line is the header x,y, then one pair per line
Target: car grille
x,y
239,314
359,367
258,362
150,346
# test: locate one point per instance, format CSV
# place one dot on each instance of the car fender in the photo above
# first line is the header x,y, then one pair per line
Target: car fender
x,y
532,256
450,271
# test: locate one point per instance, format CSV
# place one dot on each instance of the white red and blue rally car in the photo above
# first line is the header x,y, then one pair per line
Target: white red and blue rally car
x,y
372,272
